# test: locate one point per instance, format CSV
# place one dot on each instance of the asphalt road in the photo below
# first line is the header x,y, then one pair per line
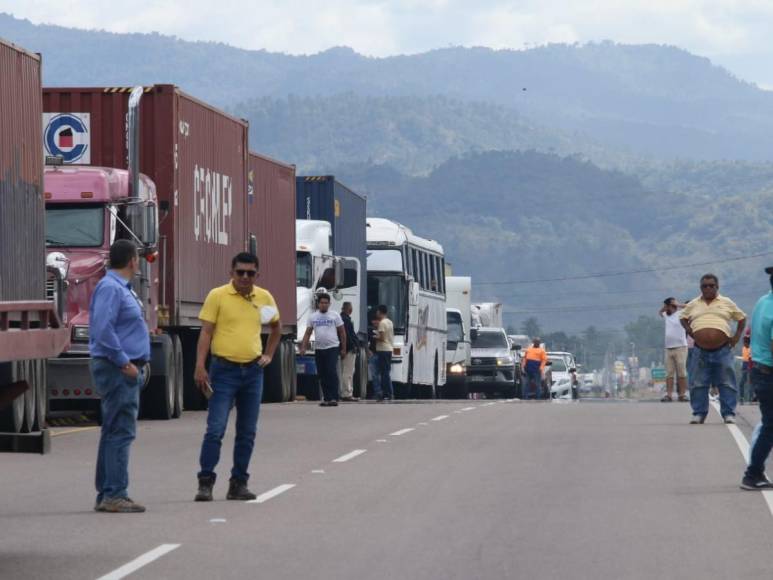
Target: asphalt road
x,y
489,491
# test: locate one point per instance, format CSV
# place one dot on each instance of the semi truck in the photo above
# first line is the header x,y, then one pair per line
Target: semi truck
x,y
157,166
331,257
459,323
30,327
487,314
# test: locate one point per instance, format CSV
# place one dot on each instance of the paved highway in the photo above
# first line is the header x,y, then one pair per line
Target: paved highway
x,y
443,490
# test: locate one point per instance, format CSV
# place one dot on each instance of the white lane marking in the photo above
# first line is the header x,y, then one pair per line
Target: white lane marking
x,y
457,412
139,562
468,409
402,432
272,493
743,447
440,417
423,424
381,441
217,521
350,455
488,404
318,471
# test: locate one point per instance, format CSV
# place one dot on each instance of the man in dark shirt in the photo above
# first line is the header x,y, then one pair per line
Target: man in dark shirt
x,y
349,360
119,344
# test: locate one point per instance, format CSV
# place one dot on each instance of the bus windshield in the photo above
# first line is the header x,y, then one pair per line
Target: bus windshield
x,y
455,329
303,270
390,290
80,226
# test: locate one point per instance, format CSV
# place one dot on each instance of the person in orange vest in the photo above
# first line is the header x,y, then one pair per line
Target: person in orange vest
x,y
533,364
745,388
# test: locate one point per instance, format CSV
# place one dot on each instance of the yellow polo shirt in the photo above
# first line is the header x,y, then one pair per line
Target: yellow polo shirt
x,y
716,314
238,321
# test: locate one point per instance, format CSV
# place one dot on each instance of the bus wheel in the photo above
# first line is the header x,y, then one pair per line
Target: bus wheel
x,y
437,390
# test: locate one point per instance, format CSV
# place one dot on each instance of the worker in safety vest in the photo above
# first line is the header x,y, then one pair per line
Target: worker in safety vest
x,y
533,363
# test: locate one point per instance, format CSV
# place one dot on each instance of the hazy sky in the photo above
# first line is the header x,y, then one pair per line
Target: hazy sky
x,y
734,33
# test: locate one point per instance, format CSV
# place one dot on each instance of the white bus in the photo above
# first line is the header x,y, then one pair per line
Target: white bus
x,y
407,274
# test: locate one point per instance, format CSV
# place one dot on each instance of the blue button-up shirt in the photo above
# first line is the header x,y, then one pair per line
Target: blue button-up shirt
x,y
762,330
117,328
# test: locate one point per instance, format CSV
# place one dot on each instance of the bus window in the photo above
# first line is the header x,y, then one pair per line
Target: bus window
x,y
434,281
415,260
424,271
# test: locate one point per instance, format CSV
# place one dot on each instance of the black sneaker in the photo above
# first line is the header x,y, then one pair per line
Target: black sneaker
x,y
753,483
237,490
324,404
206,483
332,404
698,420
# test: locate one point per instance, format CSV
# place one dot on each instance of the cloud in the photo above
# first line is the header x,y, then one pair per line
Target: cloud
x,y
725,29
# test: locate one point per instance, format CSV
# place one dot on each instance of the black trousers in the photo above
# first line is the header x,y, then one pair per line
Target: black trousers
x,y
327,371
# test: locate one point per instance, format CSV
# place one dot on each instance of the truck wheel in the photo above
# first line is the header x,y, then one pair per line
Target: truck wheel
x,y
41,396
30,398
158,397
177,350
361,374
273,389
12,416
437,390
193,400
292,372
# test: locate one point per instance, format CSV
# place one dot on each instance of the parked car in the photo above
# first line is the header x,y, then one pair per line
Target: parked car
x,y
564,377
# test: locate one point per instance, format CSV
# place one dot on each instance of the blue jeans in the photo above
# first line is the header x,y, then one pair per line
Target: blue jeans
x,y
120,401
383,387
375,377
762,439
745,389
244,385
327,371
713,368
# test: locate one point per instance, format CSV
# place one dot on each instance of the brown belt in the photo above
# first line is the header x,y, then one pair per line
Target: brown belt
x,y
225,361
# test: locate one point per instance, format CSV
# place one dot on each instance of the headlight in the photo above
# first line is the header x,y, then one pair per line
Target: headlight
x,y
80,333
456,369
505,361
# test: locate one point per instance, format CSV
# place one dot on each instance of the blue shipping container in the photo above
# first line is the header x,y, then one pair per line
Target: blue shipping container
x,y
324,198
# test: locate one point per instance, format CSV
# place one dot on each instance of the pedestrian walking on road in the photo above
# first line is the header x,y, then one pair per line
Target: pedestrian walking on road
x,y
745,387
385,338
533,364
329,345
761,376
676,350
119,344
350,358
707,319
232,320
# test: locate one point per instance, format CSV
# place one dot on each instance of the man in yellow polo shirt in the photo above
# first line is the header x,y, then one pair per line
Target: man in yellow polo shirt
x,y
231,321
707,320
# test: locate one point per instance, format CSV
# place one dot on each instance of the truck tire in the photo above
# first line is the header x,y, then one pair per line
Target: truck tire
x,y
179,403
41,396
193,400
12,416
292,375
30,398
361,374
158,397
273,387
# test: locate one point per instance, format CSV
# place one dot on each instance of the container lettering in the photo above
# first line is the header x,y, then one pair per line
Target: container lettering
x,y
212,205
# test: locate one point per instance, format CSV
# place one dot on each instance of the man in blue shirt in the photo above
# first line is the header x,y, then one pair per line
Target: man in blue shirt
x,y
762,383
119,343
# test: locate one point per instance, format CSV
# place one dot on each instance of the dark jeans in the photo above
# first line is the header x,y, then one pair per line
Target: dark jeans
x,y
120,400
745,389
762,438
713,368
327,371
382,388
533,384
245,386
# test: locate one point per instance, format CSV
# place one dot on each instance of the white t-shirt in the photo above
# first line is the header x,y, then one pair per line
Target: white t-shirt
x,y
388,329
675,334
325,325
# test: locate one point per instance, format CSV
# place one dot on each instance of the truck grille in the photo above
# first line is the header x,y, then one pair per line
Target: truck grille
x,y
50,290
484,361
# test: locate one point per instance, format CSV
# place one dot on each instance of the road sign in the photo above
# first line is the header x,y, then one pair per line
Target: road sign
x,y
658,374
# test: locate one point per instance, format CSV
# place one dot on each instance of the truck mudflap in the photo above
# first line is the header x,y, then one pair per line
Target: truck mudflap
x,y
70,378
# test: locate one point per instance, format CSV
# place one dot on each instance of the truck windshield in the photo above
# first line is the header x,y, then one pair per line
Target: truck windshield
x,y
75,225
303,270
455,329
489,340
390,290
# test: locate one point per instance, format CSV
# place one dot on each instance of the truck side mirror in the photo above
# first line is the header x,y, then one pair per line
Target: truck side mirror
x,y
163,205
516,347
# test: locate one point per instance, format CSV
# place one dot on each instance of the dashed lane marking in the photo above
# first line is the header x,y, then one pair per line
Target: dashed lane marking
x,y
402,432
318,471
349,456
381,441
743,447
468,409
440,417
139,562
272,493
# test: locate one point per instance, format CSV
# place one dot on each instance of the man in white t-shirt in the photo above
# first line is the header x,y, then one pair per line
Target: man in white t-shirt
x,y
676,350
329,345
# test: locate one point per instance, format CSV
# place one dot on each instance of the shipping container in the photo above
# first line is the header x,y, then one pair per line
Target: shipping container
x,y
29,326
22,237
197,157
271,224
325,198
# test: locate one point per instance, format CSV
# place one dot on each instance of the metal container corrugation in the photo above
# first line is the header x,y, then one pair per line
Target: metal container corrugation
x,y
271,203
22,217
197,157
324,198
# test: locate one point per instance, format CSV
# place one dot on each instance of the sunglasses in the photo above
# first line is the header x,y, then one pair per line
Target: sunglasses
x,y
708,285
248,273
